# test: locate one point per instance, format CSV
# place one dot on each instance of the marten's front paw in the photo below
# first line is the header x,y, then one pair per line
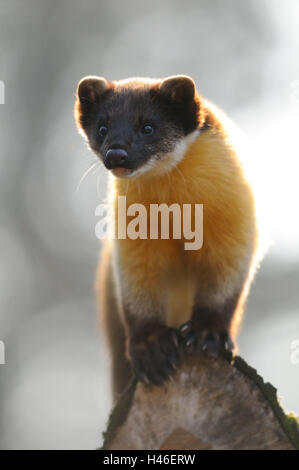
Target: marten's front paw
x,y
154,358
207,341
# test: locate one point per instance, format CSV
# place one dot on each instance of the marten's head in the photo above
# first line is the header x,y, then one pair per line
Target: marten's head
x,y
138,126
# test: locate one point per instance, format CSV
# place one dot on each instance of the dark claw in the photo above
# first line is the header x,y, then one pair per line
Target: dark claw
x,y
138,368
190,343
188,337
146,368
185,329
155,358
173,357
211,345
209,342
143,378
226,341
175,337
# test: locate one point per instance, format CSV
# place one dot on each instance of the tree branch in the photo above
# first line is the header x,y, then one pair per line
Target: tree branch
x,y
210,404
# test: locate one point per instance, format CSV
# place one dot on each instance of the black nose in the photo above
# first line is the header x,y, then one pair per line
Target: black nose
x,y
116,158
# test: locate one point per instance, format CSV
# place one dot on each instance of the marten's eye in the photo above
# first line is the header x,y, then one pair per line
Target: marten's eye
x,y
103,131
147,129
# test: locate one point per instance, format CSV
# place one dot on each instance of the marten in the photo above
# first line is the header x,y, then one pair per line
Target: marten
x,y
162,142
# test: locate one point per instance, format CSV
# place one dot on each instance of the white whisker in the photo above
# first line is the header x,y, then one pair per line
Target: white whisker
x,y
92,167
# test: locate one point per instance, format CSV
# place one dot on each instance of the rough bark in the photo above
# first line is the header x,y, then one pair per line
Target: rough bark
x,y
210,404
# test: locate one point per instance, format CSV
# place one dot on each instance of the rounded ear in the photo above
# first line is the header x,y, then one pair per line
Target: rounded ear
x,y
179,89
91,88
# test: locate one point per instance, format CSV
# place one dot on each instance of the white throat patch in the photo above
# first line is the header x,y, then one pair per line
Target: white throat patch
x,y
163,163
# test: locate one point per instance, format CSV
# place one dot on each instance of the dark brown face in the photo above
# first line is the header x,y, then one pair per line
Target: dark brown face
x,y
137,125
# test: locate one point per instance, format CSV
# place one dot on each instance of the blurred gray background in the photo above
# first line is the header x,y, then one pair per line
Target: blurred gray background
x,y
54,387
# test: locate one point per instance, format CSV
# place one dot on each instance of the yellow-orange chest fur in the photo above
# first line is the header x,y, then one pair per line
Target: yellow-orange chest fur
x,y
209,174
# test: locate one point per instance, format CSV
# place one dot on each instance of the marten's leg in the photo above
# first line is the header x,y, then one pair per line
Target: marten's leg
x,y
152,347
211,329
111,321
